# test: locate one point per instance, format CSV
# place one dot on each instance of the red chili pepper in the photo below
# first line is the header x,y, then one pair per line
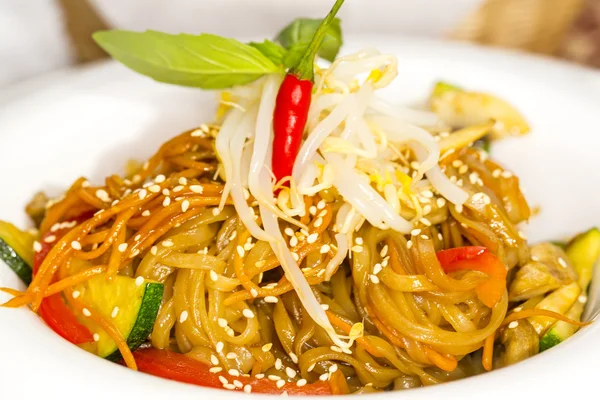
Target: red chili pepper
x,y
477,258
293,103
177,367
53,310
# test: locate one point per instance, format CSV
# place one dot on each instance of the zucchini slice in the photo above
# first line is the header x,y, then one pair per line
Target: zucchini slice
x,y
584,254
130,304
559,301
16,250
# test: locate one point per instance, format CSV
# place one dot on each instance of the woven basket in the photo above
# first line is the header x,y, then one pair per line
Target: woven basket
x,y
533,25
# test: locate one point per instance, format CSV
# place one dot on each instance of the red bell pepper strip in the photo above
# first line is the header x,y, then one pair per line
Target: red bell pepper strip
x,y
293,102
480,259
53,310
177,367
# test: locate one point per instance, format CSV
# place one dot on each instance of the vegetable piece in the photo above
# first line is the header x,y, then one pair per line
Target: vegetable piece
x,y
548,270
520,342
205,61
559,301
178,367
584,253
477,258
293,103
463,137
299,34
273,51
15,262
53,310
132,307
459,108
36,208
61,319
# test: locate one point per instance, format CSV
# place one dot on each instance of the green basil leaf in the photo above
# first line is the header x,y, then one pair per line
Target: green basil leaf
x,y
303,29
205,61
273,51
294,54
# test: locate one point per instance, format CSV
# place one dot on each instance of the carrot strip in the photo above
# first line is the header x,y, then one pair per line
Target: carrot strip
x,y
535,312
488,352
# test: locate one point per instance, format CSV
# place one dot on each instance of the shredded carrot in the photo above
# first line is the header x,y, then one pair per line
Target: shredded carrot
x,y
12,292
338,383
535,312
488,352
445,362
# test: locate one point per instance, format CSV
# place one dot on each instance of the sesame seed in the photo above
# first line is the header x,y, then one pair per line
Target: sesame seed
x,y
254,292
114,312
219,346
301,382
146,213
293,241
222,322
183,316
311,367
177,189
197,189
237,384
428,194
122,247
318,222
280,383
216,211
312,210
415,232
273,377
139,281
458,208
473,176
231,355
37,246
426,209
154,188
76,294
240,251
166,192
440,202
182,181
324,377
507,174
463,169
295,256
142,194
424,237
325,249
289,231
185,205
86,312
167,243
513,324
213,276
215,370
278,363
166,201
76,245
562,262
248,313
312,238
321,204
333,368
85,184
102,195
214,360
377,268
409,244
440,237
294,357
223,380
457,163
290,372
384,251
247,389
496,173
325,307
50,239
374,279
96,337
229,386
517,309
271,299
159,178
425,221
153,250
384,262
582,299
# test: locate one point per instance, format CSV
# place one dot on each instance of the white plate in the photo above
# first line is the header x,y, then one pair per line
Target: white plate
x,y
90,121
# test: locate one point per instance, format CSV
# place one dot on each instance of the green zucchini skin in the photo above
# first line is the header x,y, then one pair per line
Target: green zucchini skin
x,y
144,322
15,262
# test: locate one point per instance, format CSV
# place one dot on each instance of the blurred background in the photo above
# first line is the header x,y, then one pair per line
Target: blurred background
x,y
37,36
